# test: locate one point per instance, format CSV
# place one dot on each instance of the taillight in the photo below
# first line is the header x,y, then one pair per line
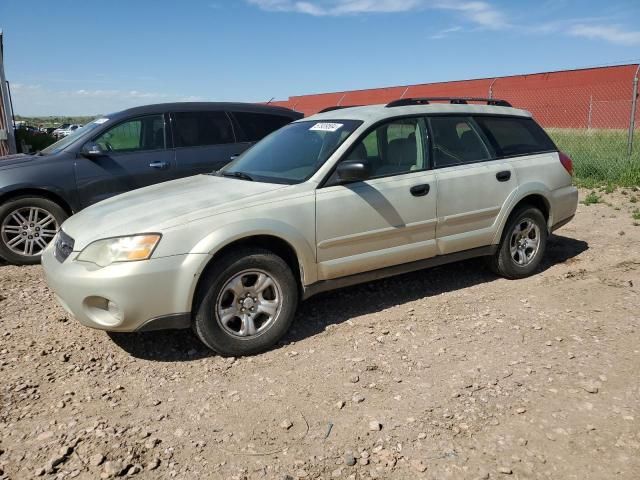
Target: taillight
x,y
566,162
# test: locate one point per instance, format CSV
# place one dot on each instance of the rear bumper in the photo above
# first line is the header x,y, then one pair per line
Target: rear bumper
x,y
147,295
562,223
564,203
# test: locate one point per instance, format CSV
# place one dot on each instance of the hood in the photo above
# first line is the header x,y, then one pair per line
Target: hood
x,y
161,206
13,160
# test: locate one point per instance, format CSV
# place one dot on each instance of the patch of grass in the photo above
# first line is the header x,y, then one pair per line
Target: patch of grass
x,y
592,198
633,199
600,157
636,214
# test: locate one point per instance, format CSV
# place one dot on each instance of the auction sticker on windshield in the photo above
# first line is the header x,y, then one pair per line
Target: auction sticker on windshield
x,y
326,127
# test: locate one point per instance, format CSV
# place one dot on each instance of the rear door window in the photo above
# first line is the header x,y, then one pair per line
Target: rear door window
x,y
456,141
255,126
511,136
197,129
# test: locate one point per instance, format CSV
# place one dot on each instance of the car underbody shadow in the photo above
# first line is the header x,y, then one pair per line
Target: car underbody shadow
x,y
335,307
338,306
162,346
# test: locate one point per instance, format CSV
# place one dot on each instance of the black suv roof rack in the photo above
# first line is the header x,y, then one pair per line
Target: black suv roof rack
x,y
337,107
454,100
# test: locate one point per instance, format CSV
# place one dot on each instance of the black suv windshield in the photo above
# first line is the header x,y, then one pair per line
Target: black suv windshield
x,y
64,142
293,153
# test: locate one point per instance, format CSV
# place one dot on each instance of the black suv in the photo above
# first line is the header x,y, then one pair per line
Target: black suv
x,y
117,153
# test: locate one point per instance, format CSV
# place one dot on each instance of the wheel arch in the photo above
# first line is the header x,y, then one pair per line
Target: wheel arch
x,y
535,198
37,192
268,241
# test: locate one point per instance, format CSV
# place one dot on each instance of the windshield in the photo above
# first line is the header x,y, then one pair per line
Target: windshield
x,y
69,139
293,153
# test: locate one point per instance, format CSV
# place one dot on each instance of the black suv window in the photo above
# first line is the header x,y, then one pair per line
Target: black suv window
x,y
138,134
515,136
196,129
256,126
455,141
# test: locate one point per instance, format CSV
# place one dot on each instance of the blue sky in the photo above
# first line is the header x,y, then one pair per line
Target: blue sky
x,y
88,56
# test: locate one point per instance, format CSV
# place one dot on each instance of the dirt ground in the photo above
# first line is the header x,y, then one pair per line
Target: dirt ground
x,y
444,373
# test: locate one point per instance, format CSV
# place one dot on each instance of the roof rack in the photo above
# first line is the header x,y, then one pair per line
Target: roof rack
x,y
337,107
454,100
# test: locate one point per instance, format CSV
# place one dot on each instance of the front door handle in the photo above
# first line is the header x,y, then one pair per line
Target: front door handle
x,y
420,190
503,176
159,165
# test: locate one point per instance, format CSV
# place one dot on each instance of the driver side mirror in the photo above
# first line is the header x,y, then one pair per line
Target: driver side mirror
x,y
354,170
92,150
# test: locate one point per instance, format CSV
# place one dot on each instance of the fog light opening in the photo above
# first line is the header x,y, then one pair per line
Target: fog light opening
x,y
115,311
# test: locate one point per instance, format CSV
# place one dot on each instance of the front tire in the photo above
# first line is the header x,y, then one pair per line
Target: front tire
x,y
246,303
27,226
523,244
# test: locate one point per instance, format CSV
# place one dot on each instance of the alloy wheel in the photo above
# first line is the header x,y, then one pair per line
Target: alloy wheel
x,y
249,303
524,242
27,231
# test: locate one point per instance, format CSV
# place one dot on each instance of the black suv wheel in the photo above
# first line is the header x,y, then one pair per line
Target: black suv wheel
x,y
27,226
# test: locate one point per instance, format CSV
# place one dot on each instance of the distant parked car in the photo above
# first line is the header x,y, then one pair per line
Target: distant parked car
x,y
117,153
61,128
65,132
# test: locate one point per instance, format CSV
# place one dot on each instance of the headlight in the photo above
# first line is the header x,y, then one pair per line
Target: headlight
x,y
120,249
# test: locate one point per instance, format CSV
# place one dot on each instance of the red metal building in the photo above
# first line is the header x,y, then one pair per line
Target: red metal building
x,y
585,98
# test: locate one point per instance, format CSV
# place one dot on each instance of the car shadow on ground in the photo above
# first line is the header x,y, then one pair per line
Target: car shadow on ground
x,y
317,313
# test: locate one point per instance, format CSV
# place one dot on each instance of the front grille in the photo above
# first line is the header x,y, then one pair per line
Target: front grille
x,y
63,247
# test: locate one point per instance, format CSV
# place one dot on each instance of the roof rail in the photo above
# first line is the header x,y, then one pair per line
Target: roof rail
x,y
454,100
337,107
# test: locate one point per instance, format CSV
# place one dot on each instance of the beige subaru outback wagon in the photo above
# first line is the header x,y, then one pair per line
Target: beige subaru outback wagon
x,y
338,198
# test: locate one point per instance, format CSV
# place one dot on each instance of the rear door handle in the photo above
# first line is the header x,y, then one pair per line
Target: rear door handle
x,y
420,190
159,165
503,176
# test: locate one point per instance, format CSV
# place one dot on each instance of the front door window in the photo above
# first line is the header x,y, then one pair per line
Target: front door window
x,y
138,134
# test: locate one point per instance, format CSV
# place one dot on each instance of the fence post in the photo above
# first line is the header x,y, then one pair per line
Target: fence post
x,y
632,120
491,88
5,100
590,112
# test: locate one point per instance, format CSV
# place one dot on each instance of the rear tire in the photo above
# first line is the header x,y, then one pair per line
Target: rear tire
x,y
245,303
27,226
523,244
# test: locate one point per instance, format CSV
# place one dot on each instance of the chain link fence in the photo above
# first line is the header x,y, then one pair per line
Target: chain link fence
x,y
587,112
592,125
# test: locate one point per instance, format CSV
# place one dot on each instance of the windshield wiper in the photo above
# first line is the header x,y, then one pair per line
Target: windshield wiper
x,y
240,175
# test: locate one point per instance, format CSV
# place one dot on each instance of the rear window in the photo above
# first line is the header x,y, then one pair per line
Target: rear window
x,y
196,129
511,136
256,126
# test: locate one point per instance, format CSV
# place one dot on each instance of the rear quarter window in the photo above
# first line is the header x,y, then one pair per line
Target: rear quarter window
x,y
197,129
256,126
511,136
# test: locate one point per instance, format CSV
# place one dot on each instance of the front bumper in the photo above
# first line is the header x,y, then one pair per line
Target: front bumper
x,y
144,295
